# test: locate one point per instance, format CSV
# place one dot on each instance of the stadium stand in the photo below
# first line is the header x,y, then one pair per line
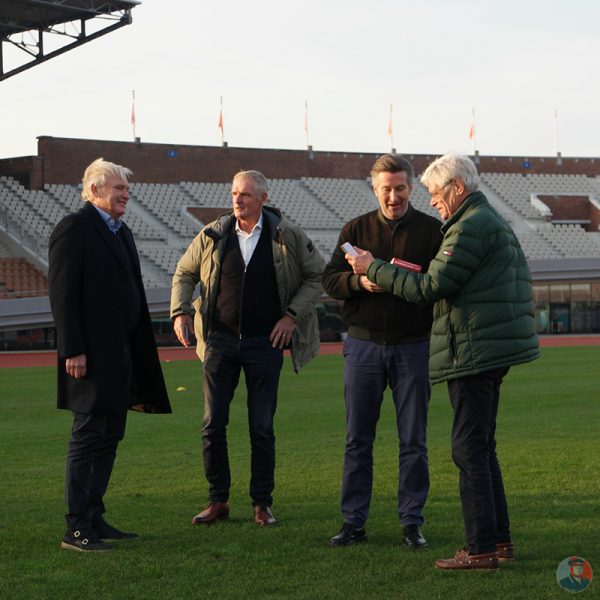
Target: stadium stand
x,y
167,203
19,279
552,206
516,189
159,218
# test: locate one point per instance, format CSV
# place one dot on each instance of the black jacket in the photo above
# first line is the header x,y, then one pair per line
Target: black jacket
x,y
90,291
382,317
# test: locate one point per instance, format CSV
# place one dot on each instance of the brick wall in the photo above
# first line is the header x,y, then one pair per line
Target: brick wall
x,y
28,170
64,161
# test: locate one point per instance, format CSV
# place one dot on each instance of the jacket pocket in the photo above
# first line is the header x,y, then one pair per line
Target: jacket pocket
x,y
453,347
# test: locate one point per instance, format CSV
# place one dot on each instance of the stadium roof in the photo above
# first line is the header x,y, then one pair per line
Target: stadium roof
x,y
24,23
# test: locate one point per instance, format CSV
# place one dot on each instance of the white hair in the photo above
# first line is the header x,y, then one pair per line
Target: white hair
x,y
446,168
98,173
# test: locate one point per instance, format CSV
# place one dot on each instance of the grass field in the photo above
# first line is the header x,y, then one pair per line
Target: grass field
x,y
548,446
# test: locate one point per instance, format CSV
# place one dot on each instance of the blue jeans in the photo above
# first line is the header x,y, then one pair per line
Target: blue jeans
x,y
369,369
226,355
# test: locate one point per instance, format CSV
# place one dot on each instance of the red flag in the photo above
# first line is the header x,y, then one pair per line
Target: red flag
x,y
133,113
472,131
221,121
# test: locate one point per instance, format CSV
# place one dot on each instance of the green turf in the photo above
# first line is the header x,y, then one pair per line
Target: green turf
x,y
547,441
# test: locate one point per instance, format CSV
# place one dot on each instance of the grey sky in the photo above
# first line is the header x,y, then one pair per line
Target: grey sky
x,y
433,60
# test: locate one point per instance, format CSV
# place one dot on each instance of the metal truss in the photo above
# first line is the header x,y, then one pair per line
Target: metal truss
x,y
27,24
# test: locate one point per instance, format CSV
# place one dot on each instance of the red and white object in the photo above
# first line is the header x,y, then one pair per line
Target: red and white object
x,y
397,262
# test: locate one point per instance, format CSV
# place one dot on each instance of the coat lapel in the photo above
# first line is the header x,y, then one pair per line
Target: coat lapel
x,y
90,210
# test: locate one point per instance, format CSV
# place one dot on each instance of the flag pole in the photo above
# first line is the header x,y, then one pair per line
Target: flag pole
x,y
133,114
391,129
555,132
221,122
472,131
306,124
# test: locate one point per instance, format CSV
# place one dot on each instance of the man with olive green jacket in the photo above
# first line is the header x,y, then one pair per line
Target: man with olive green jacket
x,y
483,324
259,278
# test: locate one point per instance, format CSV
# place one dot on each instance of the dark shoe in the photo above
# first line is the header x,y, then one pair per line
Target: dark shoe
x,y
348,535
263,516
463,561
506,552
84,541
413,538
107,532
215,511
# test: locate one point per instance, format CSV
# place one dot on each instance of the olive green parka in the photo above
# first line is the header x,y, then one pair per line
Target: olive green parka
x,y
298,270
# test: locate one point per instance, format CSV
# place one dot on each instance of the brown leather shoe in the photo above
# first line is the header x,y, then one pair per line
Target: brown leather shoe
x,y
464,561
263,516
215,511
506,552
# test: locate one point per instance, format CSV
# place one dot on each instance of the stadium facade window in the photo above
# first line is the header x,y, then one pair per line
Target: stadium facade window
x,y
560,292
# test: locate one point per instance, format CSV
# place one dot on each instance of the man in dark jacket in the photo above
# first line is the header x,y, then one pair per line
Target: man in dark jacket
x,y
387,344
483,324
107,358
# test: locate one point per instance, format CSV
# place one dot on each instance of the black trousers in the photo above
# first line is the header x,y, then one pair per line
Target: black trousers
x,y
90,458
485,512
226,356
91,455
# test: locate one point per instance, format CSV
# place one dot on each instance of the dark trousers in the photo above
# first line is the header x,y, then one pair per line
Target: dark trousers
x,y
369,368
226,355
91,454
485,511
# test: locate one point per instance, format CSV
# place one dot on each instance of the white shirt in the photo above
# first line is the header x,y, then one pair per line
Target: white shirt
x,y
249,241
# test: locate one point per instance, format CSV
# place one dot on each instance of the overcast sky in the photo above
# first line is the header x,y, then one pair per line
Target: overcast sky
x,y
514,61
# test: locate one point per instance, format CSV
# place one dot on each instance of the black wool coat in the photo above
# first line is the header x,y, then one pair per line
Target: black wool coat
x,y
90,288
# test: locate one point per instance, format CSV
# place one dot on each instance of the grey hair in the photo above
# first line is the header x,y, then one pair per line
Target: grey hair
x,y
446,168
98,173
392,163
261,185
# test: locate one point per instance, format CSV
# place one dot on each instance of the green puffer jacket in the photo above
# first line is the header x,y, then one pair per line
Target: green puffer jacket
x,y
481,287
298,270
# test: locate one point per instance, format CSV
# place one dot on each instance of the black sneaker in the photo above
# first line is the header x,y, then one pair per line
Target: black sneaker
x,y
105,531
84,541
348,535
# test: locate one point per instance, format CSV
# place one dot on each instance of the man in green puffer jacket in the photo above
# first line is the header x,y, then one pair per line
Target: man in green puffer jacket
x,y
480,286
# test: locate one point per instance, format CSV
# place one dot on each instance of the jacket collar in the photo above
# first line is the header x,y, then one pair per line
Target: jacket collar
x,y
219,228
472,200
405,218
90,211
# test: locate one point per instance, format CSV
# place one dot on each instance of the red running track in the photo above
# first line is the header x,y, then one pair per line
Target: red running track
x,y
48,358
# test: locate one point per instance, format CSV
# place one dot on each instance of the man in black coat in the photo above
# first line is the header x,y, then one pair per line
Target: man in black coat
x,y
107,357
